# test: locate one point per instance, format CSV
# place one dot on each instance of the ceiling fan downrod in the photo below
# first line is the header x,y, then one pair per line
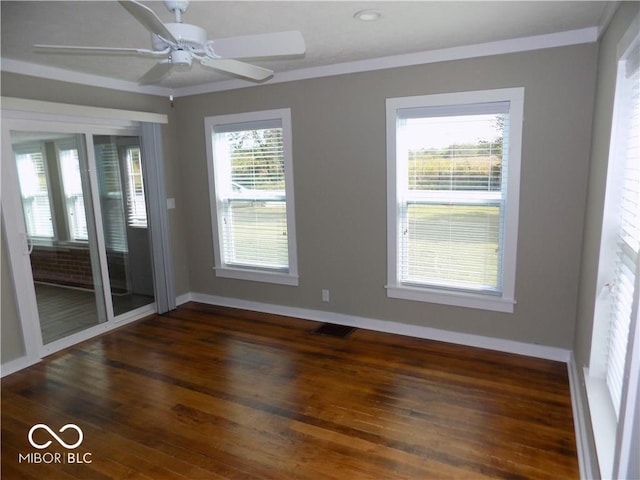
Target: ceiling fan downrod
x,y
178,7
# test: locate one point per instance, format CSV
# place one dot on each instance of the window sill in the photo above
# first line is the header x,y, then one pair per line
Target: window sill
x,y
280,278
56,245
457,299
603,422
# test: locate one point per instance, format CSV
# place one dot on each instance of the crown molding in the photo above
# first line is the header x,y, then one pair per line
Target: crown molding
x,y
70,76
609,11
523,44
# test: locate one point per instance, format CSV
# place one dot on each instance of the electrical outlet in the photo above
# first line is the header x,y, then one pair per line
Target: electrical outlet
x,y
325,295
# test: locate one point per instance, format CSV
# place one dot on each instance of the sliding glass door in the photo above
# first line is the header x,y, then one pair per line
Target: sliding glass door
x,y
85,216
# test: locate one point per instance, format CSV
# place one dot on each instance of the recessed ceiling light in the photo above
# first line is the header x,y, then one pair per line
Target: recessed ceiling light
x,y
368,15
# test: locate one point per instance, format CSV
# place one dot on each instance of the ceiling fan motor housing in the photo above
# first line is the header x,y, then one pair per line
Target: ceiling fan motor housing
x,y
180,58
190,37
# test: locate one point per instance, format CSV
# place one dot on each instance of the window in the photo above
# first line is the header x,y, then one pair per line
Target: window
x,y
616,306
111,196
627,243
122,192
136,210
251,187
69,163
34,187
453,180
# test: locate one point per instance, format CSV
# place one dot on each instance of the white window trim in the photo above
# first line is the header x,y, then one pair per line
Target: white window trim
x,y
501,303
254,274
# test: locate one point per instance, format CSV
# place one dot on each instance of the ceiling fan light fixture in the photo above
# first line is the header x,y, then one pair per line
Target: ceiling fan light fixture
x,y
368,15
180,58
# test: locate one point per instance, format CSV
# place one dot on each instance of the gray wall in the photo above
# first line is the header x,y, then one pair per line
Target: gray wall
x,y
39,89
601,136
340,189
340,182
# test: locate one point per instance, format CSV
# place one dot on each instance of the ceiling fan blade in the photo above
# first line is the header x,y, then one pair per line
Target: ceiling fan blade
x,y
93,50
262,45
237,68
148,19
157,73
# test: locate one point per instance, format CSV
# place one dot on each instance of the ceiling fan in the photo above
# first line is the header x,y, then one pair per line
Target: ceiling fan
x,y
178,44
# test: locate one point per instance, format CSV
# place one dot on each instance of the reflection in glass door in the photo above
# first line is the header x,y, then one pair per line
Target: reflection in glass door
x,y
65,263
70,264
124,220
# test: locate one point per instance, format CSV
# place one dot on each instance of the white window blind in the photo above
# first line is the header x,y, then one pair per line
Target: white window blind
x,y
451,193
111,197
69,163
251,191
627,152
136,208
34,187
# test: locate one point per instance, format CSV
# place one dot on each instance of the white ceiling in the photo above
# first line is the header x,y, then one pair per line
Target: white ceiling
x,y
331,33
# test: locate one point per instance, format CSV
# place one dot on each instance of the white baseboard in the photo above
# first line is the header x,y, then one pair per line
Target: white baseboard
x,y
502,345
580,422
509,346
16,365
184,298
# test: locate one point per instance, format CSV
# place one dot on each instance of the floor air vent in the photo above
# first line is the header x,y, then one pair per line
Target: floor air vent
x,y
333,330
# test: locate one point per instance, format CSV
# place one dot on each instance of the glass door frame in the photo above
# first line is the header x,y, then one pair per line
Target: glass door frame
x,y
82,122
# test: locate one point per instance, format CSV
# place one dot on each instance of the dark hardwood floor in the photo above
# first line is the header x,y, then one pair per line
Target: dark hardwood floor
x,y
213,393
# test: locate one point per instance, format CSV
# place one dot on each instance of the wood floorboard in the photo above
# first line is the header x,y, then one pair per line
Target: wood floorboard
x,y
215,393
